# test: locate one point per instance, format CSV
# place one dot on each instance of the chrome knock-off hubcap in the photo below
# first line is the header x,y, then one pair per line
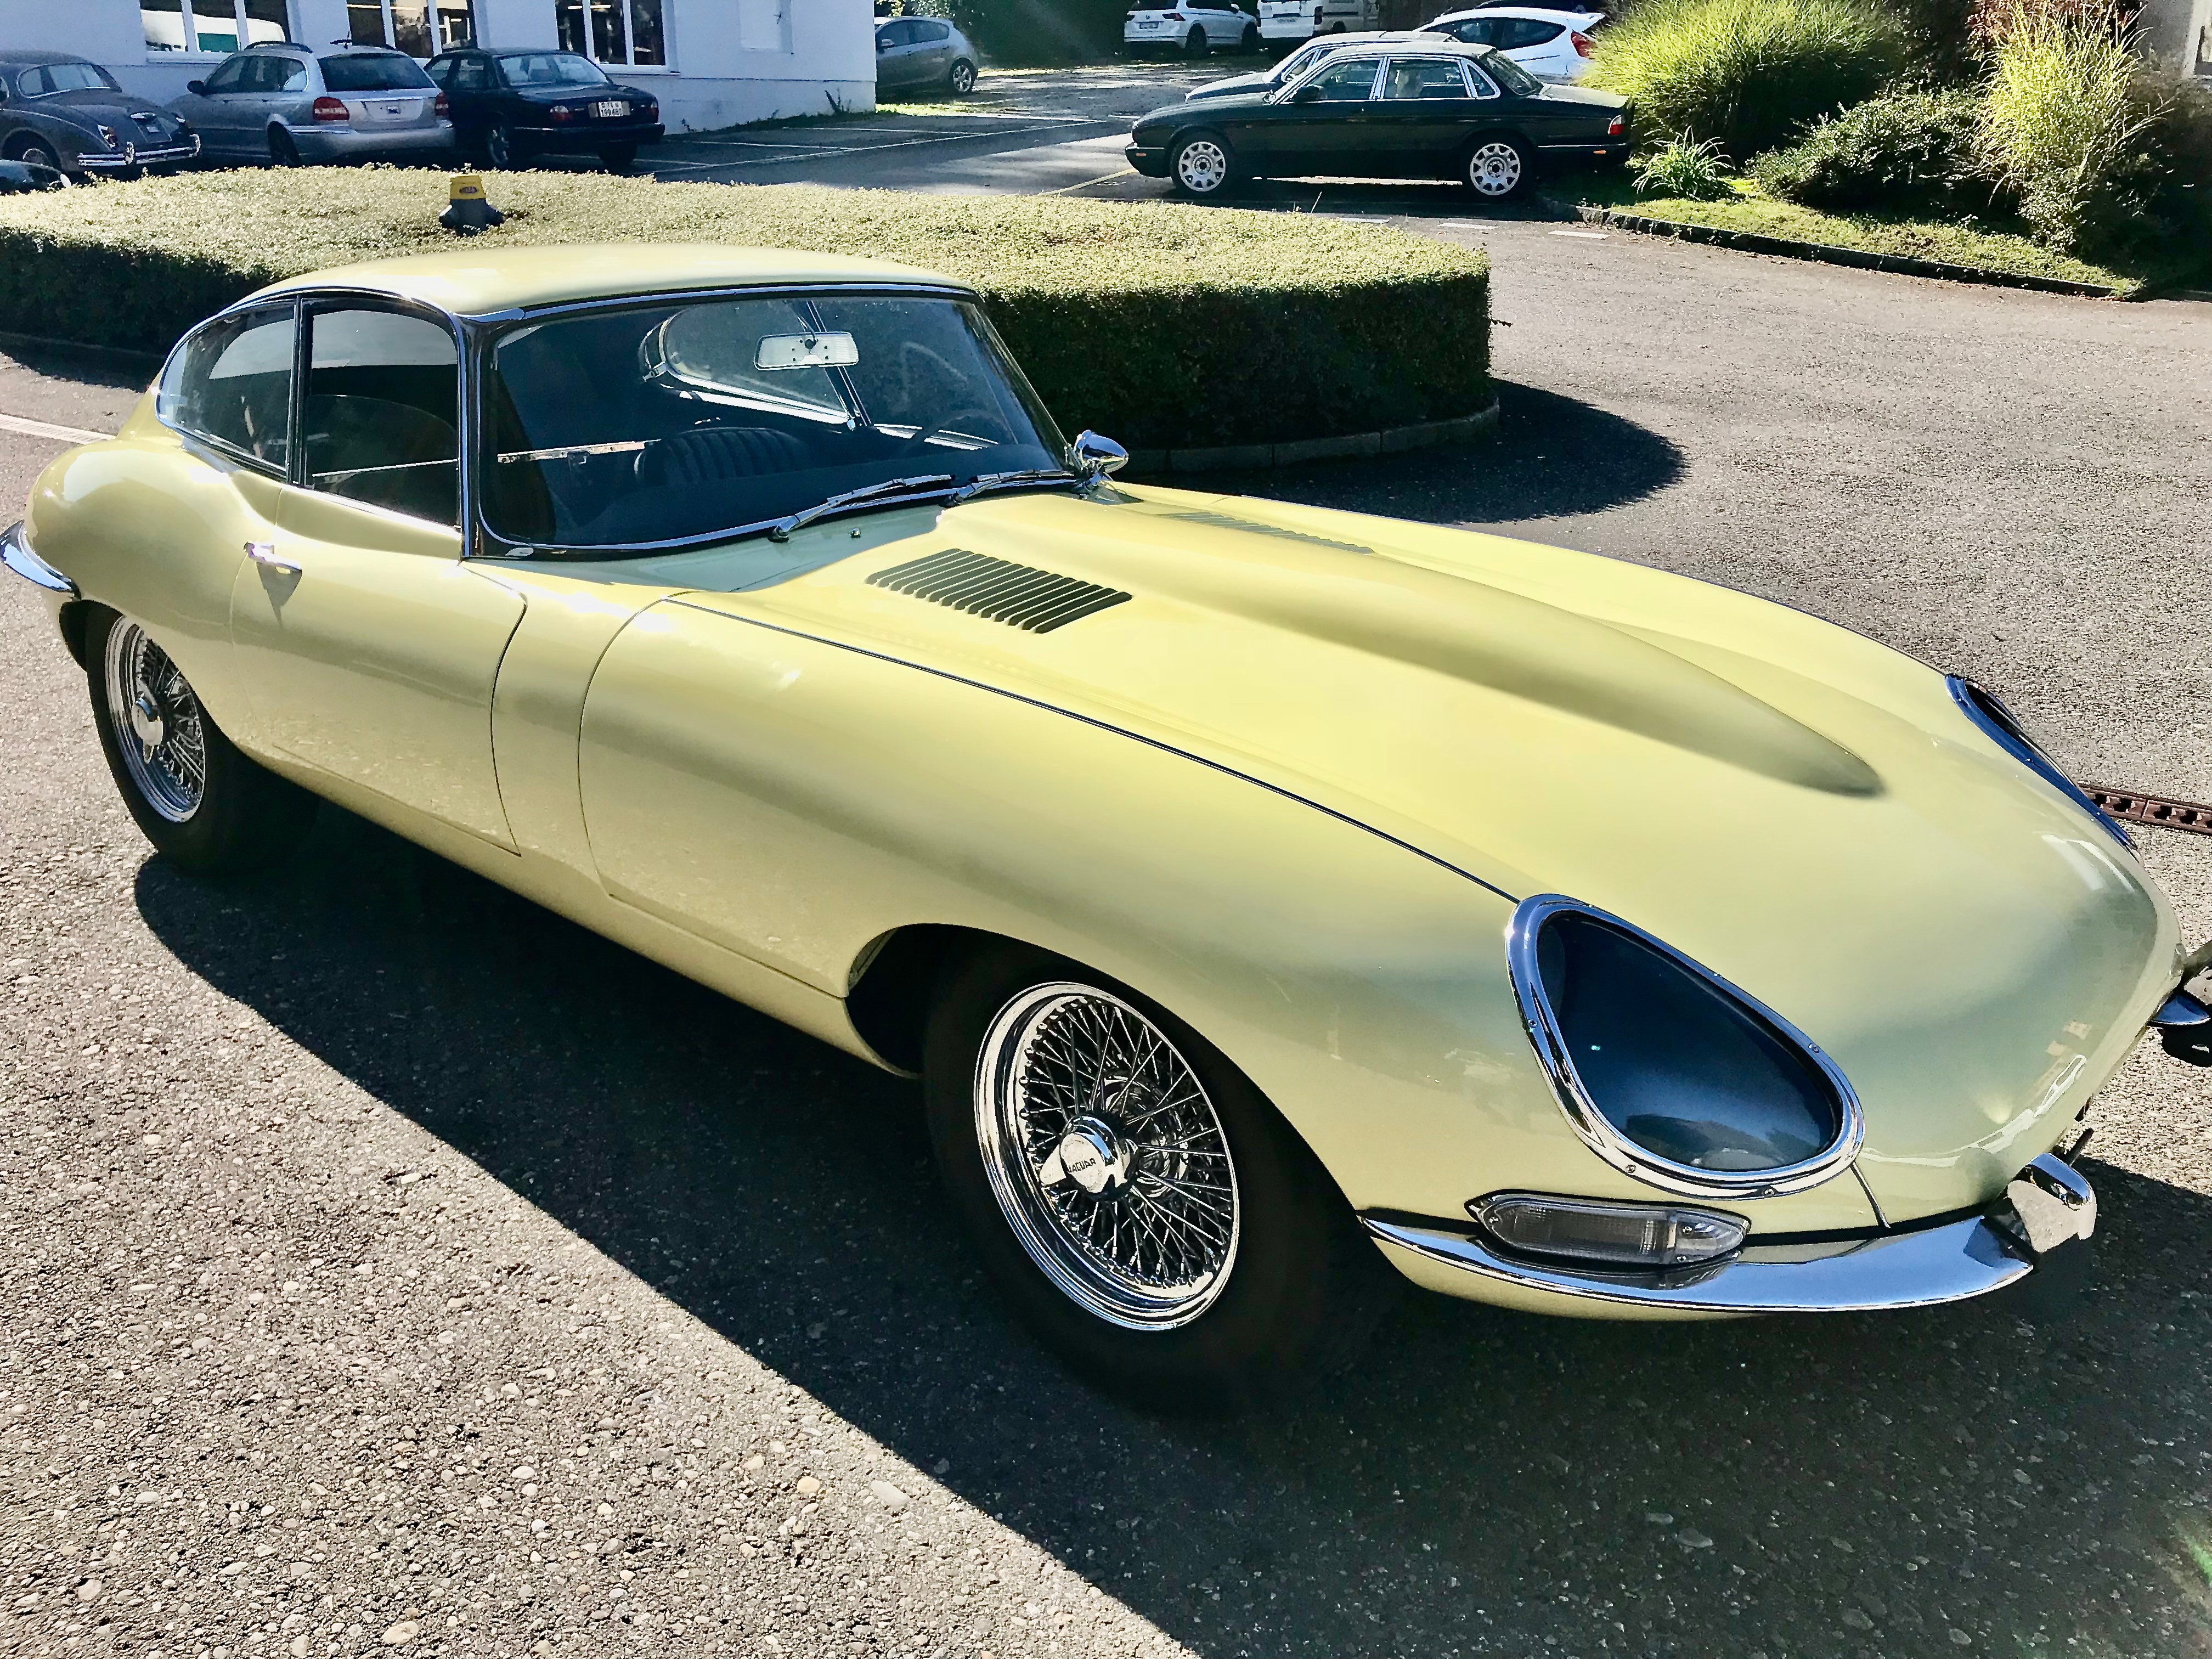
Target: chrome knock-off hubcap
x,y
157,722
1107,1156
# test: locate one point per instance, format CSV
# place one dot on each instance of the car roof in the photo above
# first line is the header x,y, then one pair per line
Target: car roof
x,y
24,58
1541,14
477,282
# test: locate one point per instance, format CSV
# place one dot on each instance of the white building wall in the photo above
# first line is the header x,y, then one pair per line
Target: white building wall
x,y
730,61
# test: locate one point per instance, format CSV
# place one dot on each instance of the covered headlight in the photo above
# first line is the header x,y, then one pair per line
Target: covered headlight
x,y
1668,1071
2003,727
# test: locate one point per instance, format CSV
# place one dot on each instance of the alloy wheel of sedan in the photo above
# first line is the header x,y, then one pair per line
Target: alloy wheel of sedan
x,y
499,148
1107,1156
1497,168
964,78
1201,167
159,728
1195,44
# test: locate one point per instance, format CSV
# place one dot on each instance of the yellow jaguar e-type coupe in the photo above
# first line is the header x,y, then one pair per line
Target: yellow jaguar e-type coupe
x,y
1264,894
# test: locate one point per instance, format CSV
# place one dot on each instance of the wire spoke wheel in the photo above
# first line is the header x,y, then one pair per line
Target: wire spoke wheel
x,y
1107,1156
159,727
1201,167
1495,168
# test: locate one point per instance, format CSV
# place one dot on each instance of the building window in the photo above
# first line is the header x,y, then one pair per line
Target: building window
x,y
420,29
623,33
211,25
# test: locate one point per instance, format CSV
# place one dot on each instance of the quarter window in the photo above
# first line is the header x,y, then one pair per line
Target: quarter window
x,y
211,25
1423,78
231,383
379,418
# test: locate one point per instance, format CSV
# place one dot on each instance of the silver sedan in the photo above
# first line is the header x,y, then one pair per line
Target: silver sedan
x,y
290,104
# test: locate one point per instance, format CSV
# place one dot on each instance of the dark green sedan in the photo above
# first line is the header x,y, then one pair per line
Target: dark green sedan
x,y
1394,111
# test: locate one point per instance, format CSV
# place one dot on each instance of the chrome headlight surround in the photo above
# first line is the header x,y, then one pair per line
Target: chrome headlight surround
x,y
1524,936
2003,727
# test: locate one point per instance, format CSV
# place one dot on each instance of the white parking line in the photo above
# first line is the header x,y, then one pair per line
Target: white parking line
x,y
1589,236
67,435
1103,178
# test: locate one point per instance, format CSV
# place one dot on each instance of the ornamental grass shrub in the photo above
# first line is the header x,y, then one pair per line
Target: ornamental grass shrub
x,y
1906,152
1163,325
1696,173
2105,154
1748,74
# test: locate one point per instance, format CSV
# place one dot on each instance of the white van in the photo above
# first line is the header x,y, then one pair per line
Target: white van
x,y
1301,20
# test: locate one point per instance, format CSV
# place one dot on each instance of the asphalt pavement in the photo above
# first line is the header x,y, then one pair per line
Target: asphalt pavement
x,y
396,1266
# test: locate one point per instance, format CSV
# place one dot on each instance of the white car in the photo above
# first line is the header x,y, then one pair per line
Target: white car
x,y
1552,45
1294,66
1301,20
1196,30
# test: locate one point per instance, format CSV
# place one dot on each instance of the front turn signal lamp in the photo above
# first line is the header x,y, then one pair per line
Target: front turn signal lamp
x,y
1652,1236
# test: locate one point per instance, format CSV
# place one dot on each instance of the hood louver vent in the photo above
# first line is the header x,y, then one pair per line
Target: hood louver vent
x,y
999,590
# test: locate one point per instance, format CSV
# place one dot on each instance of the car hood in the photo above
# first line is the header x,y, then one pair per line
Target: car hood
x,y
84,108
1801,810
1233,86
1564,92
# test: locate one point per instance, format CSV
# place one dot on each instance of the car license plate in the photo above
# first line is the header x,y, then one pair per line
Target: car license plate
x,y
1147,24
611,111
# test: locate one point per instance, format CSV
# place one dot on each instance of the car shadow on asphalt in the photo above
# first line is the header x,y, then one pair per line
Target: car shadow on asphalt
x,y
1550,457
1483,1482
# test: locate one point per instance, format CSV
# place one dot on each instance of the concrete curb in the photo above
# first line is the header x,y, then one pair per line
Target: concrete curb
x,y
1357,446
1897,264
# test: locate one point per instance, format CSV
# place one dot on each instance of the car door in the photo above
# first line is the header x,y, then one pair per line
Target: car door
x,y
468,81
1322,126
1422,120
895,45
214,110
367,646
933,50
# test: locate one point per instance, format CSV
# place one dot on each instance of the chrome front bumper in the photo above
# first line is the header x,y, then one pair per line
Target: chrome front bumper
x,y
15,553
2049,1206
132,156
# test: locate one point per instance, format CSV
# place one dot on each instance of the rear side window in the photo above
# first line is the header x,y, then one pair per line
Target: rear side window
x,y
377,71
1511,75
1514,33
383,396
930,33
231,383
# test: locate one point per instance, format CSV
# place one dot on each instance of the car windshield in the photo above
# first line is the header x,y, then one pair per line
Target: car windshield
x,y
551,69
1511,75
675,423
68,77
373,72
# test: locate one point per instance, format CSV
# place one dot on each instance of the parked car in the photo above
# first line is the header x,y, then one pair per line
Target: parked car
x,y
65,113
1387,110
290,104
924,51
1550,44
1295,66
1205,856
509,107
1194,30
1301,20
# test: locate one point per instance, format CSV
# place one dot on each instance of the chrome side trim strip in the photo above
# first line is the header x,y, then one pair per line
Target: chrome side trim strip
x,y
1683,1180
15,553
1903,1270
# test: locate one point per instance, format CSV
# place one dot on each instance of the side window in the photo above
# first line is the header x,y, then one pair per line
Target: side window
x,y
378,423
1423,78
292,76
231,383
897,35
1477,31
441,71
229,76
1483,87
36,84
261,75
1514,33
931,34
1345,83
471,74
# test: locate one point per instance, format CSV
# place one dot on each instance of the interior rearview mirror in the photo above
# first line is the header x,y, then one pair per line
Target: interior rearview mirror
x,y
197,88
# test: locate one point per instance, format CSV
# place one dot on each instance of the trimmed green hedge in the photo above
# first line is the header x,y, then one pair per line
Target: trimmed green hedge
x,y
1163,325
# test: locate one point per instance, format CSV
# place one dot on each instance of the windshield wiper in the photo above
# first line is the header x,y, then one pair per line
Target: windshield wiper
x,y
782,529
983,482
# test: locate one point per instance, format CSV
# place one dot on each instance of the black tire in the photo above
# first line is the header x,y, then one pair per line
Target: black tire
x,y
1212,172
1251,41
1195,44
1497,166
619,158
1302,1287
282,152
241,817
961,81
503,151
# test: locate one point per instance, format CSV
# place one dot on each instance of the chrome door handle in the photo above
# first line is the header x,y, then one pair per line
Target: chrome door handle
x,y
265,555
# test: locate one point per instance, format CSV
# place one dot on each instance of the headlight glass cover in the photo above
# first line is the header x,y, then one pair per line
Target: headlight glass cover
x,y
2003,727
1668,1071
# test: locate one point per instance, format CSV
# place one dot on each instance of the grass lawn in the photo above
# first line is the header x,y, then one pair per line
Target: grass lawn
x,y
1987,248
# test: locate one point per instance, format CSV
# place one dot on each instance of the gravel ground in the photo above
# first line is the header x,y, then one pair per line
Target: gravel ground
x,y
396,1264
